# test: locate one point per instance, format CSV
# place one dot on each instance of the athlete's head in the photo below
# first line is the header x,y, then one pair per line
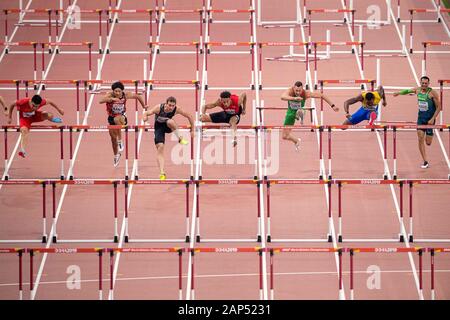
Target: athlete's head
x,y
424,82
298,88
171,102
370,98
36,100
225,98
117,87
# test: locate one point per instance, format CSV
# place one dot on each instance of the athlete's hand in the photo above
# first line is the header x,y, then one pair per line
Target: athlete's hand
x,y
396,94
384,104
335,109
243,111
431,122
348,115
61,112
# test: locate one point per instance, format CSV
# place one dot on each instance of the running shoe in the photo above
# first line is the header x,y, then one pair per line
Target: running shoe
x,y
373,117
56,120
117,159
297,144
120,145
234,142
162,176
183,141
425,165
22,154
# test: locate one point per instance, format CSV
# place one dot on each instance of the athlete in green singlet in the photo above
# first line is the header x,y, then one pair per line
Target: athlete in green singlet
x,y
296,97
429,108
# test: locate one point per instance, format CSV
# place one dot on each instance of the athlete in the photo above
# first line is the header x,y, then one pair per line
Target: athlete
x,y
164,123
368,110
116,102
429,108
233,107
296,97
28,113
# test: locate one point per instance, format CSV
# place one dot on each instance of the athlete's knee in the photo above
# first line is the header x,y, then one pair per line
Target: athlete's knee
x,y
171,123
160,147
49,115
429,140
24,130
285,135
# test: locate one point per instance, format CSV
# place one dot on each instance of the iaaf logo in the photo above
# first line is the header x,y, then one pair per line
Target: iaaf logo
x,y
227,250
228,181
63,250
84,182
386,250
370,181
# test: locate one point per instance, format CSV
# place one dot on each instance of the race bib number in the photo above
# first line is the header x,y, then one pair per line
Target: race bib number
x,y
118,108
295,105
230,111
423,106
28,114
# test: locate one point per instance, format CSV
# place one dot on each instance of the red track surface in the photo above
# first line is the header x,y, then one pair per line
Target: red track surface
x,y
227,211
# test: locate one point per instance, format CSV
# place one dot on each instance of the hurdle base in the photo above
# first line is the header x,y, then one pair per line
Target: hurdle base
x,y
411,50
439,20
57,51
6,51
394,177
188,239
136,177
54,239
401,238
107,51
44,239
100,51
410,238
206,87
71,177
385,177
127,239
62,177
258,239
126,178
269,238
255,178
253,87
330,237
320,177
7,177
260,87
340,238
116,239
197,239
330,177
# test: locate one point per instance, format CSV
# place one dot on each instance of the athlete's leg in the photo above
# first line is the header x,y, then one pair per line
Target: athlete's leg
x,y
113,134
160,157
24,131
421,141
205,118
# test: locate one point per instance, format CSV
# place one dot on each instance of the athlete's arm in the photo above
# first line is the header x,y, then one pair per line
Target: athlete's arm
x,y
138,97
11,108
350,101
287,97
242,100
324,97
406,91
210,105
61,111
437,102
188,116
380,90
107,98
150,112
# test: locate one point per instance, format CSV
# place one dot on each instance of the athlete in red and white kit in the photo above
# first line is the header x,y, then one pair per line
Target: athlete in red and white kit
x,y
116,107
233,107
28,113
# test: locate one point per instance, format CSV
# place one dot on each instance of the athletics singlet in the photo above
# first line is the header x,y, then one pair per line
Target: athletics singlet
x,y
427,107
163,116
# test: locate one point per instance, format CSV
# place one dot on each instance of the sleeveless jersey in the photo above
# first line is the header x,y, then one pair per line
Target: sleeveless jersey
x,y
25,111
376,101
118,107
427,107
163,116
295,105
233,108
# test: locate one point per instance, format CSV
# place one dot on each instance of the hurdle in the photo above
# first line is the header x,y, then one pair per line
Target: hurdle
x,y
194,251
295,250
66,251
270,182
422,10
196,45
23,44
17,89
42,183
23,11
208,51
19,252
156,182
433,252
85,182
331,128
427,44
164,11
113,251
278,44
233,182
385,250
411,127
365,182
411,183
441,95
334,43
361,82
42,128
344,11
250,11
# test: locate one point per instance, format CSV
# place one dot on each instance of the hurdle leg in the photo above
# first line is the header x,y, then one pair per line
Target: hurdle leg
x,y
402,239
192,276
5,136
180,272
126,154
352,293
271,275
385,175
136,154
187,213
20,274
398,10
116,233
341,289
111,275
269,239
258,236
126,212
339,211
410,33
260,254
394,137
198,211
330,221
329,154
55,235
61,133
100,275
44,213
433,294
410,237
